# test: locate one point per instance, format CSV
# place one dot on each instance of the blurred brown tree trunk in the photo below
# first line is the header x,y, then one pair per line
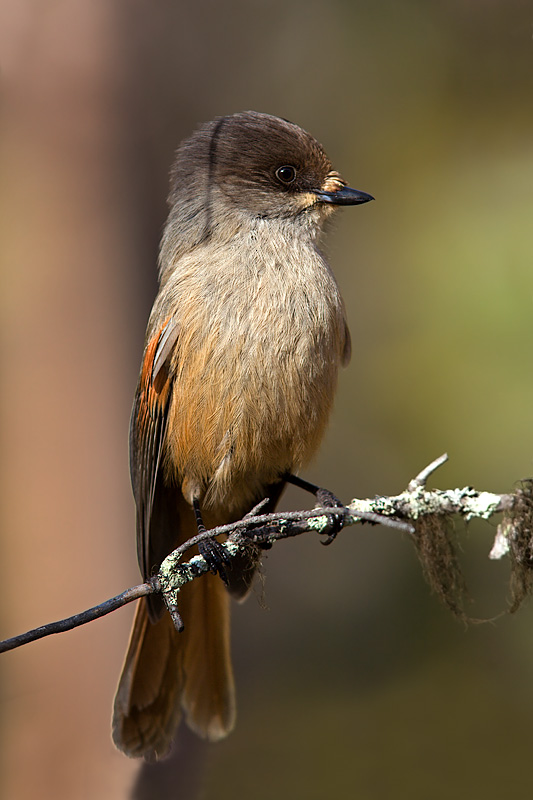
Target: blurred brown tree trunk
x,y
66,507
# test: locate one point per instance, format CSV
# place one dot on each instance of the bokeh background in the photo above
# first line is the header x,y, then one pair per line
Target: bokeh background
x,y
352,680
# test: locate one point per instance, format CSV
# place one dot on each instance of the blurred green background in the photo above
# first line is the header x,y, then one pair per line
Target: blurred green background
x,y
352,680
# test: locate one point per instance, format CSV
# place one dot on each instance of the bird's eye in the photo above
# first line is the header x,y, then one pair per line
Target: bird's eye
x,y
286,174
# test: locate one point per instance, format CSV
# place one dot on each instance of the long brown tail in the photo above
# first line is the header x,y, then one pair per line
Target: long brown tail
x,y
166,672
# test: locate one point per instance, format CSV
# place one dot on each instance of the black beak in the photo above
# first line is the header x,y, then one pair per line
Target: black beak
x,y
345,196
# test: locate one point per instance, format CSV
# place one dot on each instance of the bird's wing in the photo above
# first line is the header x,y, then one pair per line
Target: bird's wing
x,y
157,512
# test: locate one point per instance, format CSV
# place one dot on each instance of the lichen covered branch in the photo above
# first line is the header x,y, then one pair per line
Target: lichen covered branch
x,y
424,514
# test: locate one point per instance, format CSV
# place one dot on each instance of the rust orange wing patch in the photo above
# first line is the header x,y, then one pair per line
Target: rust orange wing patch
x,y
156,520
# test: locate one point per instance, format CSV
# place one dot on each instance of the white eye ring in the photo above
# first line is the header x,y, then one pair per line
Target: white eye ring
x,y
286,174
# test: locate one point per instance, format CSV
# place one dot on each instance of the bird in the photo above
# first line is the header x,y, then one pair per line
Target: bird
x,y
242,351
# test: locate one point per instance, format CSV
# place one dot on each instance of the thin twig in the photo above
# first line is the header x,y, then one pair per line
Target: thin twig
x,y
424,474
80,619
321,513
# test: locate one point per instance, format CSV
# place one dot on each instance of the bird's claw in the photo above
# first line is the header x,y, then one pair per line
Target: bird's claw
x,y
329,500
216,557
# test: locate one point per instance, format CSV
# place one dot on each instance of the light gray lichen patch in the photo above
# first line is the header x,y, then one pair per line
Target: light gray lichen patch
x,y
501,545
479,505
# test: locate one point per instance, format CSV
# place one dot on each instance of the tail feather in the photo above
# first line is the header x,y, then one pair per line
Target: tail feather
x,y
165,671
208,692
147,707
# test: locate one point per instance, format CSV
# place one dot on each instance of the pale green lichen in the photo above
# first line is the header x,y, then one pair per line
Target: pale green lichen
x,y
173,574
421,502
378,505
318,524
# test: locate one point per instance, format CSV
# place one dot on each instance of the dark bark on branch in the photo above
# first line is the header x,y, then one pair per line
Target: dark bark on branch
x,y
101,610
